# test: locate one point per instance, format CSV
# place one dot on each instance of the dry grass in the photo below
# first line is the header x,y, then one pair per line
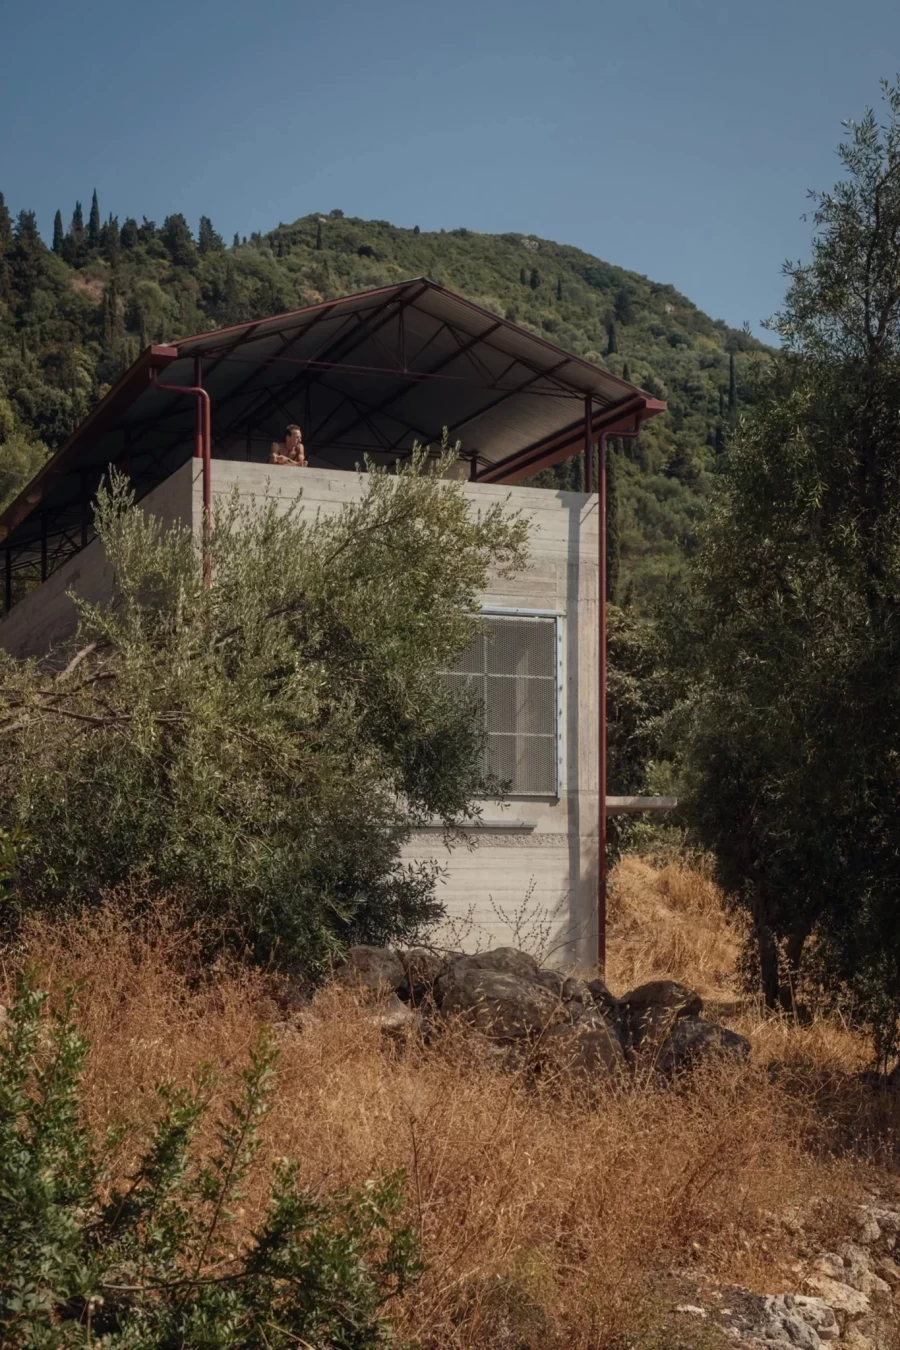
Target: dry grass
x,y
670,923
549,1216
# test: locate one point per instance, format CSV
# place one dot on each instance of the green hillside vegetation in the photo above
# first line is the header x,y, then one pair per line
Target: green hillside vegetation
x,y
73,315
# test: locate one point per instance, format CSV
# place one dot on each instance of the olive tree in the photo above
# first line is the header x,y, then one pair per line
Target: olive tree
x,y
264,746
791,638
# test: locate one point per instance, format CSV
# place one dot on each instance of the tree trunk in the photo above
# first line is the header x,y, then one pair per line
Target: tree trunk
x,y
768,953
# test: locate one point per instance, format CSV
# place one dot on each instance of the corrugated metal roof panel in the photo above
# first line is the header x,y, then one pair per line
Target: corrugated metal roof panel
x,y
362,374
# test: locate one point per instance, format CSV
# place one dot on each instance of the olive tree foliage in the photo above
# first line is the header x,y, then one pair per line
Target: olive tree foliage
x,y
792,634
266,745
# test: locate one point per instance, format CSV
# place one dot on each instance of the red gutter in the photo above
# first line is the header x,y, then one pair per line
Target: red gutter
x,y
202,450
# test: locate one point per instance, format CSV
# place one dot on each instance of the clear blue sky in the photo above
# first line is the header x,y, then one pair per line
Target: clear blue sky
x,y
674,137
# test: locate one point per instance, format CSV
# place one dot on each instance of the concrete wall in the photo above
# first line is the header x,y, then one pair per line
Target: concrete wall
x,y
47,616
528,874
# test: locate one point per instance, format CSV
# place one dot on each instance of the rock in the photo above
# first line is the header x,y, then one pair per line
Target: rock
x,y
889,1271
842,1297
793,1320
830,1265
691,1040
421,967
371,968
854,1339
589,1048
649,1013
496,1002
576,991
601,995
869,1228
505,959
394,1017
690,1309
669,994
551,980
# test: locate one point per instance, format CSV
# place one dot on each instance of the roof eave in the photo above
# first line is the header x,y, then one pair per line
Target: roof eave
x,y
622,419
97,422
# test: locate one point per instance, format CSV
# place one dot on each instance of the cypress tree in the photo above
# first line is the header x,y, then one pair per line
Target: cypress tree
x,y
523,277
112,326
110,241
732,390
611,344
76,229
721,403
128,235
416,230
59,234
208,239
319,235
719,441
236,241
613,541
626,373
559,288
535,279
6,232
93,230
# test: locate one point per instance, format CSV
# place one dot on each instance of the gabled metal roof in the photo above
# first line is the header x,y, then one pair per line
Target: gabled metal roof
x,y
365,374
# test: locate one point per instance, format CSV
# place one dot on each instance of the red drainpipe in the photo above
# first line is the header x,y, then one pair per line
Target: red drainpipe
x,y
202,450
601,581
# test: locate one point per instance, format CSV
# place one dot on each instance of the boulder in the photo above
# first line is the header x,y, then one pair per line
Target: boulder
x,y
680,1000
421,967
503,960
506,959
374,969
795,1320
602,996
692,1041
648,1014
551,980
589,1048
394,1017
495,1002
576,991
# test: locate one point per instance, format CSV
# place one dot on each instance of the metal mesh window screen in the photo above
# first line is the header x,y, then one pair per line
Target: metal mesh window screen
x,y
511,667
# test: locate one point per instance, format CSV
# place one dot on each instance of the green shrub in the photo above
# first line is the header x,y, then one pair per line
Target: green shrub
x,y
159,1264
265,746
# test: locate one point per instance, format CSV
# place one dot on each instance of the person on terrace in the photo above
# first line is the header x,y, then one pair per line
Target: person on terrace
x,y
290,450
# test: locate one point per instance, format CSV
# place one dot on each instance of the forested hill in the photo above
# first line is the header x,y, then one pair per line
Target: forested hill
x,y
75,312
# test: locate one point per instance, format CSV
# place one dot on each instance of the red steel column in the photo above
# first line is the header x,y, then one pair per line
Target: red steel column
x,y
601,582
588,444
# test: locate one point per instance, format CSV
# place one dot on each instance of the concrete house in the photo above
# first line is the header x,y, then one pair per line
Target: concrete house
x,y
368,375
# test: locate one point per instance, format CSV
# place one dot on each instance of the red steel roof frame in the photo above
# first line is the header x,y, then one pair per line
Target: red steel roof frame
x,y
621,418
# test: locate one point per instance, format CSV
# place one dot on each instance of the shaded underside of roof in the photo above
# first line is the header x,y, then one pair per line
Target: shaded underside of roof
x,y
364,375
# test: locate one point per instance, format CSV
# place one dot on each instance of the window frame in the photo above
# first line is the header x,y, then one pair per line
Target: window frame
x,y
558,619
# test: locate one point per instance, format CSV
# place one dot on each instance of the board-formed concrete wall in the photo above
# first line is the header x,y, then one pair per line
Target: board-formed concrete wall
x,y
527,874
47,616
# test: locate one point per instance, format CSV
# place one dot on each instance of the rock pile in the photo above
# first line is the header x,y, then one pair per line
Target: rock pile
x,y
518,1006
847,1300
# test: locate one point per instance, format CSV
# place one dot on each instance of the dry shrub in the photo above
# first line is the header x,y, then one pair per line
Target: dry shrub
x,y
671,922
550,1216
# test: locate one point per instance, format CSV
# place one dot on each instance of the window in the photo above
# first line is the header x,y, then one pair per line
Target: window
x,y
513,668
